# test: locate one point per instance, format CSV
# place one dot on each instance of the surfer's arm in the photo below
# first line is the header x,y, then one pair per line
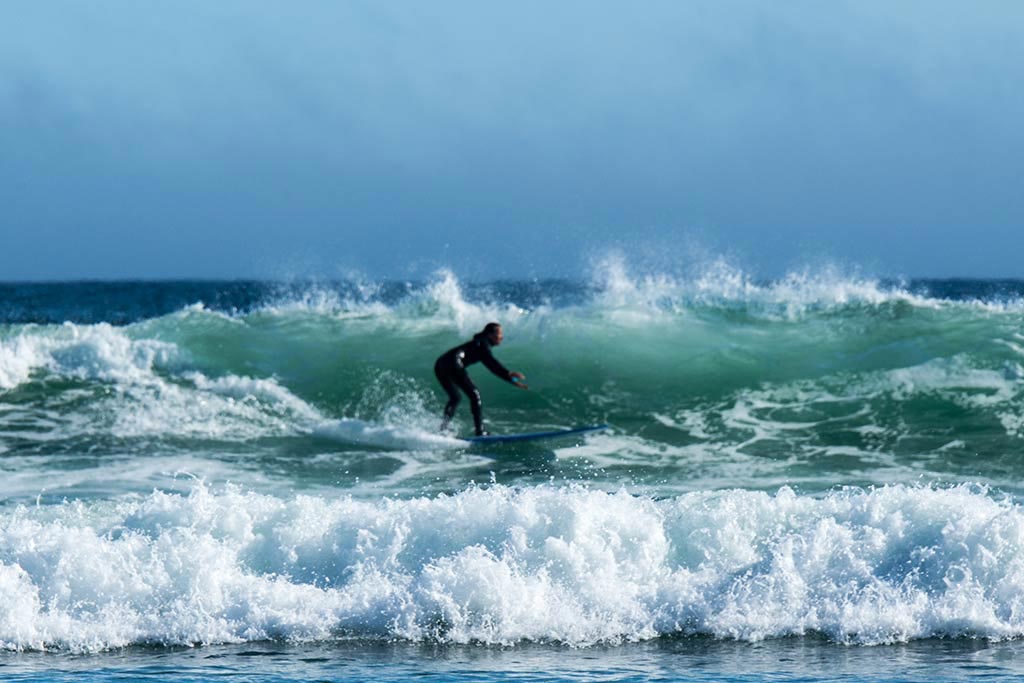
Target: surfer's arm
x,y
492,364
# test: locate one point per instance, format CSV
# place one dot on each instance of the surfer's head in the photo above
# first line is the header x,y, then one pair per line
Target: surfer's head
x,y
493,333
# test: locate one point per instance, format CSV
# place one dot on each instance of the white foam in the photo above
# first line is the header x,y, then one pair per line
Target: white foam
x,y
440,304
392,413
19,356
355,431
719,284
98,352
266,391
152,390
231,407
443,300
502,565
323,301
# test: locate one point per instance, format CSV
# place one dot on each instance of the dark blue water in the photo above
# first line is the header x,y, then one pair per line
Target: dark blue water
x,y
684,660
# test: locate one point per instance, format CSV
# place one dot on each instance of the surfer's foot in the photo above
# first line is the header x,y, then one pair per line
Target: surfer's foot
x,y
481,432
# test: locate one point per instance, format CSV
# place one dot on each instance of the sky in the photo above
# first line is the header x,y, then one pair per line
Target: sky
x,y
248,138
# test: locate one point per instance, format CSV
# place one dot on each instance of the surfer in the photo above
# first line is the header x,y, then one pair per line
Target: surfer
x,y
450,369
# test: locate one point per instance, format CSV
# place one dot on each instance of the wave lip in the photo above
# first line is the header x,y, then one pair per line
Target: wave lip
x,y
499,565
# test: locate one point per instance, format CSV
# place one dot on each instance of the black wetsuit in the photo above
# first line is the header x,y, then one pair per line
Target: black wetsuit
x,y
450,369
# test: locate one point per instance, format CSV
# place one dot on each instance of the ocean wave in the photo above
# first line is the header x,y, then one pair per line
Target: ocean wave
x,y
499,565
624,349
97,352
112,383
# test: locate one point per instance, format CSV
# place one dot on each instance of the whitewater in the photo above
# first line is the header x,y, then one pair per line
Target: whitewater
x,y
823,459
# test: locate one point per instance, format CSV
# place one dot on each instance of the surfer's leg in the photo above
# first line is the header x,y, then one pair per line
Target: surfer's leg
x,y
448,385
466,384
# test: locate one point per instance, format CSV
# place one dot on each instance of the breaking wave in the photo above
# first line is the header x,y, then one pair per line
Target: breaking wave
x,y
501,565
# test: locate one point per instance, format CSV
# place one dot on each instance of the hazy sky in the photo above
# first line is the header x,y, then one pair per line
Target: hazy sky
x,y
231,138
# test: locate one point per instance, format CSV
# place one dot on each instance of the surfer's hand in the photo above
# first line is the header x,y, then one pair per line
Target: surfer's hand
x,y
519,379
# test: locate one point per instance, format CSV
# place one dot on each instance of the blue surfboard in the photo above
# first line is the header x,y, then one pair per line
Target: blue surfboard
x,y
533,436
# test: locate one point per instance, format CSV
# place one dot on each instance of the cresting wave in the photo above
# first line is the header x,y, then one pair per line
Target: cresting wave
x,y
105,379
502,565
710,380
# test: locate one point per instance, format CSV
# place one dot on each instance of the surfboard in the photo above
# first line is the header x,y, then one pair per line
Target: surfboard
x,y
533,436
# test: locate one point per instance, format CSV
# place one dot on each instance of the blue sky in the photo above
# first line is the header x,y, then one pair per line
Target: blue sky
x,y
290,139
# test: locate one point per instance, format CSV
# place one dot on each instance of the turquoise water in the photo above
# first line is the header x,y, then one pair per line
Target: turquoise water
x,y
815,478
